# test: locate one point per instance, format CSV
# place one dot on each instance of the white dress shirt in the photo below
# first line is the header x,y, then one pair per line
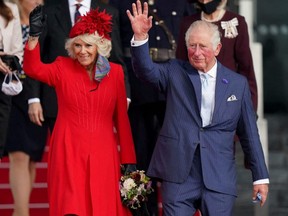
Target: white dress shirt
x,y
85,7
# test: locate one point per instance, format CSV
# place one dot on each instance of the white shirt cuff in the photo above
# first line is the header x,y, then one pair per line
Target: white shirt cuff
x,y
261,181
138,43
33,100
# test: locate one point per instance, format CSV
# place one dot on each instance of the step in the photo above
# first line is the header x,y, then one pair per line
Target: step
x,y
41,172
39,209
38,195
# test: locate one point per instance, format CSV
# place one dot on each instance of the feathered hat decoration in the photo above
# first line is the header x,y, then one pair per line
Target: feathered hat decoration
x,y
94,20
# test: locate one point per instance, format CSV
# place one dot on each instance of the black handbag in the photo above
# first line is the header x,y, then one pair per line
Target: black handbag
x,y
12,61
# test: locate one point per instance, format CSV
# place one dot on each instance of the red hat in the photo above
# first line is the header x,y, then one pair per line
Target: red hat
x,y
93,21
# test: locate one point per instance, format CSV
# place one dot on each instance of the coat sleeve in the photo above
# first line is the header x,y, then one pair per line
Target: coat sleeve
x,y
249,137
34,68
124,134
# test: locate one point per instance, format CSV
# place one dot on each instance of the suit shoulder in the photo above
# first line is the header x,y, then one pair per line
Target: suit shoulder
x,y
231,15
109,8
230,72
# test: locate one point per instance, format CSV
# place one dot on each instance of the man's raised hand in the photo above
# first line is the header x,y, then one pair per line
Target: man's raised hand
x,y
141,22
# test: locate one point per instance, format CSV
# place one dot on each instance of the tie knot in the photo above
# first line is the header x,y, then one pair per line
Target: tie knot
x,y
78,6
205,76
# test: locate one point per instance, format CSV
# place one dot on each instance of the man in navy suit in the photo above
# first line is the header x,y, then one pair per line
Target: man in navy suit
x,y
194,155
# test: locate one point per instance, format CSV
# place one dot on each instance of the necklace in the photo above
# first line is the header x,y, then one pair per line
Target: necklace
x,y
219,17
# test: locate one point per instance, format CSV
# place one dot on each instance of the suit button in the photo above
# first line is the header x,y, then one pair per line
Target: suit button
x,y
201,129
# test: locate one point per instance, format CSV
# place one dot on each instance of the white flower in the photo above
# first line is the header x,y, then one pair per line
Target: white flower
x,y
129,184
134,189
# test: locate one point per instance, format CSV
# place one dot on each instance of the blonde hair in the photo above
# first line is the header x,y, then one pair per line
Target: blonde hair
x,y
211,28
104,45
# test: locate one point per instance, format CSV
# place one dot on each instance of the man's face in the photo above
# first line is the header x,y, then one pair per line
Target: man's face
x,y
201,54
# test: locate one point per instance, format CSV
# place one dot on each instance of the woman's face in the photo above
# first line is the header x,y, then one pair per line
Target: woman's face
x,y
85,53
29,5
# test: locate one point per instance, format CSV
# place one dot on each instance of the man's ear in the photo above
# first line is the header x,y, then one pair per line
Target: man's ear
x,y
218,48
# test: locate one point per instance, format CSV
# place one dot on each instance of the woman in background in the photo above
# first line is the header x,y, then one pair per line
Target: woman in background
x,y
11,44
25,140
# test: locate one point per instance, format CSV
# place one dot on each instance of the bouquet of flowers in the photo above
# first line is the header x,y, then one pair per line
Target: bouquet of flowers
x,y
134,188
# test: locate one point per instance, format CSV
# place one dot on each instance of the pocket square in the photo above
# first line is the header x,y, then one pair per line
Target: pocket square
x,y
232,98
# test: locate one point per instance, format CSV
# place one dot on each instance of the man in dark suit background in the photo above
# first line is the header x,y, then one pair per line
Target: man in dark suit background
x,y
194,153
60,19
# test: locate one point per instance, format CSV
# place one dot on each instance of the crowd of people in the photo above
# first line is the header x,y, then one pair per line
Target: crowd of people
x,y
123,84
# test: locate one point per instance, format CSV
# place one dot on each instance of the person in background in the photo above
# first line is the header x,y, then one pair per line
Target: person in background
x,y
147,108
10,44
84,159
206,104
235,53
61,17
25,141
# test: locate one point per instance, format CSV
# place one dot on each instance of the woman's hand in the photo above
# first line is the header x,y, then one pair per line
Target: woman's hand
x,y
3,67
140,21
37,21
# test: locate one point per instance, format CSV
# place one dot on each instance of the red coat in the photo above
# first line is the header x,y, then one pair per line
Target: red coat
x,y
235,52
84,161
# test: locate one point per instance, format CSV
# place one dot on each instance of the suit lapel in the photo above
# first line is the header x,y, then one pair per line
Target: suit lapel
x,y
196,83
222,83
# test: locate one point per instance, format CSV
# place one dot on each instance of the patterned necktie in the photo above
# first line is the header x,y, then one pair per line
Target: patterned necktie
x,y
206,100
77,13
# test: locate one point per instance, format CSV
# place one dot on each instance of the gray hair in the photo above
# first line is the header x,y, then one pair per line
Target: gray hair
x,y
211,28
104,45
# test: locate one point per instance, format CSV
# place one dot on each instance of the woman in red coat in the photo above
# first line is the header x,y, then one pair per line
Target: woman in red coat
x,y
235,52
84,161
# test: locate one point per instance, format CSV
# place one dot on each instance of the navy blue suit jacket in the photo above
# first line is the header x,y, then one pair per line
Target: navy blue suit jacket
x,y
182,129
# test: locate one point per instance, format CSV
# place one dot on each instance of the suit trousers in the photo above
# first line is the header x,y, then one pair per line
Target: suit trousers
x,y
185,198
